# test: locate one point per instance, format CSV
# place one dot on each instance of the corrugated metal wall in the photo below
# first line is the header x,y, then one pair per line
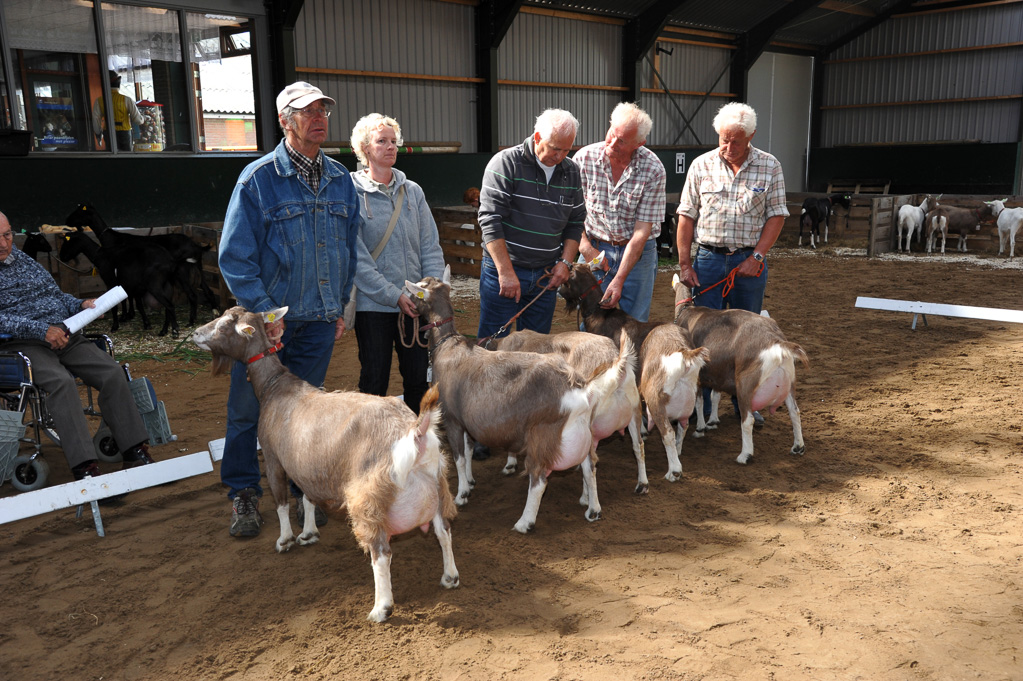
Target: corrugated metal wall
x,y
983,73
393,36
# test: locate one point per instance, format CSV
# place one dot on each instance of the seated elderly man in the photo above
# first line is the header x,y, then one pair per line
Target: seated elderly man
x,y
32,310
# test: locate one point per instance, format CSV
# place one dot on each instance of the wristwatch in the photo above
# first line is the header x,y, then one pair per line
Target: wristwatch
x,y
758,257
567,263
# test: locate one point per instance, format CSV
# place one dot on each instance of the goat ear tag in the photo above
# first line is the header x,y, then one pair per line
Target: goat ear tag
x,y
271,317
420,295
674,280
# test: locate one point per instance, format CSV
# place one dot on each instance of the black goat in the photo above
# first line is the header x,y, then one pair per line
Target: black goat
x,y
35,243
143,274
187,254
814,212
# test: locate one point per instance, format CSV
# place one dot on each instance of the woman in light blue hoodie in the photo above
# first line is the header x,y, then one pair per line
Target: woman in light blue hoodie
x,y
412,252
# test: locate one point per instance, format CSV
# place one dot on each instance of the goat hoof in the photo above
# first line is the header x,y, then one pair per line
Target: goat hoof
x,y
673,476
380,614
284,546
462,499
524,528
450,582
307,539
593,516
508,470
642,488
798,450
699,432
744,459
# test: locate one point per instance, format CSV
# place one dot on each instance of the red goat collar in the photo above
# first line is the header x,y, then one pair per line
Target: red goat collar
x,y
435,324
268,351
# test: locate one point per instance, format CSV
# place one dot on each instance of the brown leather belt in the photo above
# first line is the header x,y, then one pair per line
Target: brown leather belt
x,y
609,241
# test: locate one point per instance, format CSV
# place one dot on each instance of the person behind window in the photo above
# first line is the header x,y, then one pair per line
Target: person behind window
x,y
126,114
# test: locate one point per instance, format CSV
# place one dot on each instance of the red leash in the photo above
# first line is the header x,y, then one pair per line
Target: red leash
x,y
485,342
728,281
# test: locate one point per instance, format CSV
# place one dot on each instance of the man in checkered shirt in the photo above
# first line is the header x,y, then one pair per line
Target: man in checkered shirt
x,y
737,192
623,183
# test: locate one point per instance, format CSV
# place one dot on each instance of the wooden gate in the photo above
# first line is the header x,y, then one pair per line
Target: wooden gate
x,y
882,224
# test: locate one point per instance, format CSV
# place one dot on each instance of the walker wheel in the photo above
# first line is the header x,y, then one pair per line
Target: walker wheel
x,y
106,447
29,474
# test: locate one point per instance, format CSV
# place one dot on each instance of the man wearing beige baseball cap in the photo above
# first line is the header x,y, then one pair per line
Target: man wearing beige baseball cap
x,y
289,240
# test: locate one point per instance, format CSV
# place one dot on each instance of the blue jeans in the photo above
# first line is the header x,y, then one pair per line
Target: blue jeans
x,y
307,350
639,285
748,293
495,311
712,267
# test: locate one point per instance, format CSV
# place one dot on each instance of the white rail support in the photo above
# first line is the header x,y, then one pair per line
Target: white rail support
x,y
90,490
923,309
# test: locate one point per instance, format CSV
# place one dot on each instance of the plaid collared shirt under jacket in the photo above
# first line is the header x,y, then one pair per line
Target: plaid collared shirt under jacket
x,y
731,210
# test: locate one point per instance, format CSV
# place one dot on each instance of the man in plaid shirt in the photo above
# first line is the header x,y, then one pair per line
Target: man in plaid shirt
x,y
623,183
738,194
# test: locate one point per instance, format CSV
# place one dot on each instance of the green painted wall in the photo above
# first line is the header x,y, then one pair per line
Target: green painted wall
x,y
921,168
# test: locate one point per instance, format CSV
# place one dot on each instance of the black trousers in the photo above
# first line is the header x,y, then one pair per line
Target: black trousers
x,y
377,335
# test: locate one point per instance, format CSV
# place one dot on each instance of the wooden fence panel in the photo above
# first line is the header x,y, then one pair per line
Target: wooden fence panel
x,y
460,238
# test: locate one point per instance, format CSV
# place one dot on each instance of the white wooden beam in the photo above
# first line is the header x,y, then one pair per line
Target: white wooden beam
x,y
918,308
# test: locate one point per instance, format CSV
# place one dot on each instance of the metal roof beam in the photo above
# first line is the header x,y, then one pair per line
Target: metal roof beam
x,y
751,44
493,19
639,36
860,29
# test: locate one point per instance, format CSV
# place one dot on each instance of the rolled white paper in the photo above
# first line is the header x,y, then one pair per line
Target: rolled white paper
x,y
104,304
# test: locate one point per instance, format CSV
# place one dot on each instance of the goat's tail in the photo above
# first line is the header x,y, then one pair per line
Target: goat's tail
x,y
797,353
689,363
606,380
420,440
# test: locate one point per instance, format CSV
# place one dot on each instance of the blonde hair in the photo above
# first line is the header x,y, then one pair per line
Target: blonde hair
x,y
363,131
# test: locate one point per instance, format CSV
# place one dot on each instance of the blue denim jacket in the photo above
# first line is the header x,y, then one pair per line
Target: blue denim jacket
x,y
284,245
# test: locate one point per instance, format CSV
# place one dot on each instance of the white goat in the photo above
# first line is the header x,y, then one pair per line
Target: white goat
x,y
1010,220
369,454
532,405
671,370
588,353
911,219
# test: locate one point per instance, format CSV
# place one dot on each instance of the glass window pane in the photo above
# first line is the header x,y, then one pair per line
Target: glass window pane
x,y
144,50
222,73
57,72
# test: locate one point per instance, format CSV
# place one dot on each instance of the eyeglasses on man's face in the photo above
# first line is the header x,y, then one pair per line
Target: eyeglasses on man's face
x,y
313,112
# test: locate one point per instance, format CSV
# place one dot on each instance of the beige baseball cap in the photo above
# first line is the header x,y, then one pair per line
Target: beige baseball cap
x,y
300,95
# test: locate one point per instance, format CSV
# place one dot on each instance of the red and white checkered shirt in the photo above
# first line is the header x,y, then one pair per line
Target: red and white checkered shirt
x,y
612,211
731,210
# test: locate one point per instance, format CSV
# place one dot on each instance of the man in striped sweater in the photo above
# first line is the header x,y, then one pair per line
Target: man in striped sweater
x,y
531,213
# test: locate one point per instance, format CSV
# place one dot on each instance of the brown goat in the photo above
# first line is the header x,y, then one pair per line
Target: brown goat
x,y
749,358
582,292
671,370
961,221
536,406
368,454
588,354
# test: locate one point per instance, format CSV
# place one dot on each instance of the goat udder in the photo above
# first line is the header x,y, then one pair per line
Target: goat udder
x,y
772,392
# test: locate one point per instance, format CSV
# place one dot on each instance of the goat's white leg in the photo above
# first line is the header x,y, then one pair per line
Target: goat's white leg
x,y
510,465
701,422
747,439
449,580
310,535
584,500
680,434
715,402
590,475
798,447
825,230
668,438
287,538
812,244
383,604
537,485
463,466
642,484
943,236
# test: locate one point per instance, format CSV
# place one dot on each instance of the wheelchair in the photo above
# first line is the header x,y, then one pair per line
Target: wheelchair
x,y
18,393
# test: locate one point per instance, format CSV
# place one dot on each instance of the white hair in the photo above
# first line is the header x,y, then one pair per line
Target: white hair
x,y
363,131
736,115
556,122
629,115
